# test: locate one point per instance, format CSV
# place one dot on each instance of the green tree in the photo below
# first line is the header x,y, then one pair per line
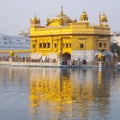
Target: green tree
x,y
115,48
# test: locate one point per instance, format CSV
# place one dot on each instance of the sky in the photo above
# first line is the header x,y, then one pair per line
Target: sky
x,y
15,14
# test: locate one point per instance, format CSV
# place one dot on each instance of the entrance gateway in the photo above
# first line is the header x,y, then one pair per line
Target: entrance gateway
x,y
66,58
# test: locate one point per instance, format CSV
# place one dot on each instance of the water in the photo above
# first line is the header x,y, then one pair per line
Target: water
x,y
59,94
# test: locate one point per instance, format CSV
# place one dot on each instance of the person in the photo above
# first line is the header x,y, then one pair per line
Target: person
x,y
84,62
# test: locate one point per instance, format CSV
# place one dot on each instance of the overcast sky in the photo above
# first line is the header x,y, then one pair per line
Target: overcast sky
x,y
15,14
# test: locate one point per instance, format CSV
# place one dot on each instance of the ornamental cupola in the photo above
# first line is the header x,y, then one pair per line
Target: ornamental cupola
x,y
103,19
35,22
83,17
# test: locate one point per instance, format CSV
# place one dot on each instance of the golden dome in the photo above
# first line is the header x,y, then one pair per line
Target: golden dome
x,y
83,16
62,17
103,18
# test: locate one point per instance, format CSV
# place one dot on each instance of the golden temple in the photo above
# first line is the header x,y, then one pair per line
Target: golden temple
x,y
65,40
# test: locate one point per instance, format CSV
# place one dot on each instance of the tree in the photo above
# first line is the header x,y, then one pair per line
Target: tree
x,y
115,48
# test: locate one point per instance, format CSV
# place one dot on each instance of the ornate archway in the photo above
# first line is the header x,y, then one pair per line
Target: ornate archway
x,y
66,57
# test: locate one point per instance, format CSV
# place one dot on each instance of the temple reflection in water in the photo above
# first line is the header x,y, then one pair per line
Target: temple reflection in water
x,y
68,93
59,94
50,86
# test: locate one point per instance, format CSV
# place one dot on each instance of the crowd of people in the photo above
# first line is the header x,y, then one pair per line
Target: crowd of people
x,y
45,60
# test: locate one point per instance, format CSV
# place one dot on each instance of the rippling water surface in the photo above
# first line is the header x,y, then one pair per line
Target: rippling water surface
x,y
59,94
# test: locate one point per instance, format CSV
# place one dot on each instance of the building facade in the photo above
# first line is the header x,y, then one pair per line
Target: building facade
x,y
115,39
63,39
9,42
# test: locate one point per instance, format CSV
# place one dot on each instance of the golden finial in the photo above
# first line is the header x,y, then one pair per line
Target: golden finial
x,y
61,9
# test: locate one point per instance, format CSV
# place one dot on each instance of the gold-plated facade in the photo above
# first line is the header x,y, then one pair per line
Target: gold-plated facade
x,y
64,39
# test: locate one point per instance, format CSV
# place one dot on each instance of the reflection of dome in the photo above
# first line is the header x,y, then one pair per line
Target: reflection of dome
x,y
83,16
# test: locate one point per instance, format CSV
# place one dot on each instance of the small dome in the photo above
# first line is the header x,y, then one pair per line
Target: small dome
x,y
83,16
35,20
103,18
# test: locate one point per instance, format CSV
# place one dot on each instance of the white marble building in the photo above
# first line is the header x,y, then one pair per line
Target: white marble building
x,y
8,42
116,39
